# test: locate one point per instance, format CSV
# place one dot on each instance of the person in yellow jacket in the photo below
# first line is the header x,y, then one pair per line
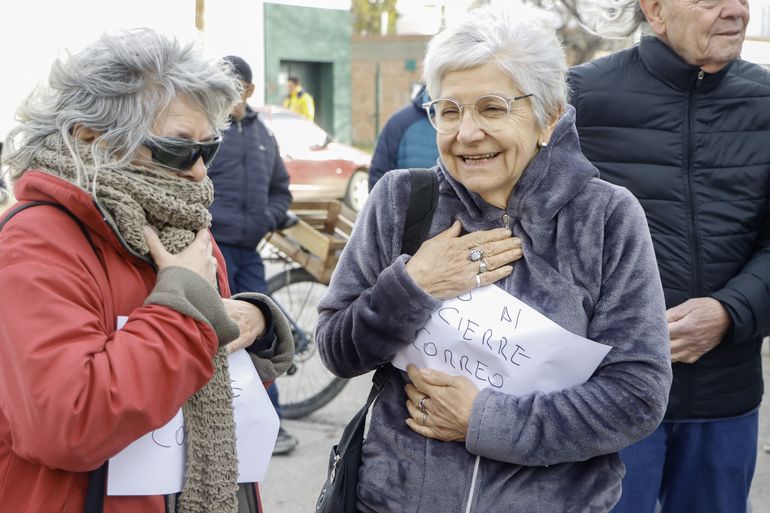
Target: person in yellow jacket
x,y
299,100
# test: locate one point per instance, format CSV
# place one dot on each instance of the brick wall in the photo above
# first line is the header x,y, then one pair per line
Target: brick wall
x,y
399,59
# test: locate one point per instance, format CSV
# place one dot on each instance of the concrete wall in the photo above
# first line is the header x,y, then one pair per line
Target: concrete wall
x,y
311,35
384,72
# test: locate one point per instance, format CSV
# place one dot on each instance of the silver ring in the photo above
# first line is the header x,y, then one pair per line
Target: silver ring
x,y
478,280
482,265
475,255
424,419
421,404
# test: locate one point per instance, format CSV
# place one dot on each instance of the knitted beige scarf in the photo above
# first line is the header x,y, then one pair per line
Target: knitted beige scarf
x,y
176,208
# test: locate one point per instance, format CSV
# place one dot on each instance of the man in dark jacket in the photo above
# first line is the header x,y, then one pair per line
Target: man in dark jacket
x,y
407,140
251,190
683,123
251,196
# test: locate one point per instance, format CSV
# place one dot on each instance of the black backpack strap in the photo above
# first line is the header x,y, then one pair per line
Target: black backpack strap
x,y
97,479
97,489
423,198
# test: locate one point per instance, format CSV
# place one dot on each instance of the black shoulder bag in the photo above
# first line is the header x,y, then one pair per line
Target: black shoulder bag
x,y
94,499
340,491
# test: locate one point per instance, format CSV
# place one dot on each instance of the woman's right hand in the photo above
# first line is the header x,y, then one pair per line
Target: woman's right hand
x,y
441,266
197,257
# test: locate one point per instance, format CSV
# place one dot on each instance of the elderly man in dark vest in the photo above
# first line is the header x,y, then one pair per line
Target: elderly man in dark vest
x,y
683,123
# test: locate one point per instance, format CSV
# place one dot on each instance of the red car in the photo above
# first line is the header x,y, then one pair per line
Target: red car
x,y
319,167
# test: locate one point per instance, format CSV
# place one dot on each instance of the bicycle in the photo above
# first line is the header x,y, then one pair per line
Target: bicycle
x,y
297,288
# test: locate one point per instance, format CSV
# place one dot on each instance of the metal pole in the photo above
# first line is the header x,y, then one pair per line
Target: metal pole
x,y
377,102
200,7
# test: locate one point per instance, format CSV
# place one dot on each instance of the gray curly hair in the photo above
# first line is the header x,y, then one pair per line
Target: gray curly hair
x,y
118,86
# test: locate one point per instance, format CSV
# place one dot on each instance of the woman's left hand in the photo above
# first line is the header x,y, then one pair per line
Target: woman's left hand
x,y
446,406
250,321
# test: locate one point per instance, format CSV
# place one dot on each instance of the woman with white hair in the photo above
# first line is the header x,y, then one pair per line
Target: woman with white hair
x,y
113,314
515,190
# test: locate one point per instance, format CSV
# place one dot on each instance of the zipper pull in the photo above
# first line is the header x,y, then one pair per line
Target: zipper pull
x,y
506,220
700,75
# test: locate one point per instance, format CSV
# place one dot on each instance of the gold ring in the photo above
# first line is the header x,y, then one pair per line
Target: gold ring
x,y
424,419
478,280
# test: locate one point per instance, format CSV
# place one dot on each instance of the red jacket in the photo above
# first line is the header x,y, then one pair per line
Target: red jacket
x,y
73,390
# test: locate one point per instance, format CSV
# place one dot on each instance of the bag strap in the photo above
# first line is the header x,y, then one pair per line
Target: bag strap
x,y
379,380
419,215
423,198
94,499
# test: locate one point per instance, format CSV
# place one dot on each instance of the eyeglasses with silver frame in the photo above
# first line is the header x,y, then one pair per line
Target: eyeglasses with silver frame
x,y
489,111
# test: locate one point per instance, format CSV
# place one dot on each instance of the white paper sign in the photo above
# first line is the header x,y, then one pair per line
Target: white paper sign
x,y
256,422
154,464
498,341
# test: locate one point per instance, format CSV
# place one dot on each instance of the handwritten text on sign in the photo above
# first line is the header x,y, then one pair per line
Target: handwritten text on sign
x,y
154,464
498,341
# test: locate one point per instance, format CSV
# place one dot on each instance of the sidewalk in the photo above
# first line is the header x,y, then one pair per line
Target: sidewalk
x,y
293,481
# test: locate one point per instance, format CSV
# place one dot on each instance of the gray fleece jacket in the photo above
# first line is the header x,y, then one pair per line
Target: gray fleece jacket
x,y
588,265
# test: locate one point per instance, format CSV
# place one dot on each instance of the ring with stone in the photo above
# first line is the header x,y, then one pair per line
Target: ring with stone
x,y
482,265
478,280
475,255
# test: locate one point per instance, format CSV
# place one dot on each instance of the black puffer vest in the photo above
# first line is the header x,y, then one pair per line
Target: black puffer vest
x,y
694,148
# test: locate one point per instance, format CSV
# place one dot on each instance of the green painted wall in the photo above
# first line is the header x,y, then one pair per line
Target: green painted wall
x,y
320,37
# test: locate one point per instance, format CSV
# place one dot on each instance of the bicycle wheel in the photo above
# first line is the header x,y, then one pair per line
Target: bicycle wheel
x,y
308,385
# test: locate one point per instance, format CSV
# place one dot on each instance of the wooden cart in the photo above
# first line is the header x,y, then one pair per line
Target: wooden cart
x,y
316,241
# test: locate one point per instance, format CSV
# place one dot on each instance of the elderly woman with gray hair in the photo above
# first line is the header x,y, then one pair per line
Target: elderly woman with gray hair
x,y
514,186
114,314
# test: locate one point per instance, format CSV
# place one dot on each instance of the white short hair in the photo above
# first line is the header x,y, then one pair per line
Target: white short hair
x,y
521,43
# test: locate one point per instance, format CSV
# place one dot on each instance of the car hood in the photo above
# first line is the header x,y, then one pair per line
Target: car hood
x,y
333,151
351,153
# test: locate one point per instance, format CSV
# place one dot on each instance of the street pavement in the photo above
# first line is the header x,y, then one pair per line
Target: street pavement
x,y
293,482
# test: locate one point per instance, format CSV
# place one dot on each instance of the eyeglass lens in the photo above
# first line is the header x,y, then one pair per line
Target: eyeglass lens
x,y
490,112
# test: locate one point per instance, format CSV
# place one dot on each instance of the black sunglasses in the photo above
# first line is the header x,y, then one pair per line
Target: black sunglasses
x,y
181,154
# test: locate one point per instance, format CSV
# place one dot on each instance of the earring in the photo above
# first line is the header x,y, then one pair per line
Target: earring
x,y
542,144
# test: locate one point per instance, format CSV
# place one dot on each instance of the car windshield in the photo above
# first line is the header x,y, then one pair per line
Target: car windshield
x,y
295,133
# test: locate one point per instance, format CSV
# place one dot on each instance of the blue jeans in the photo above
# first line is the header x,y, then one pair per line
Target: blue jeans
x,y
703,466
245,270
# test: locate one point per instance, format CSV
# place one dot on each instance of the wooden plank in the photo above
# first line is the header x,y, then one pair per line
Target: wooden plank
x,y
348,213
310,205
336,245
296,253
309,238
331,218
318,270
316,242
